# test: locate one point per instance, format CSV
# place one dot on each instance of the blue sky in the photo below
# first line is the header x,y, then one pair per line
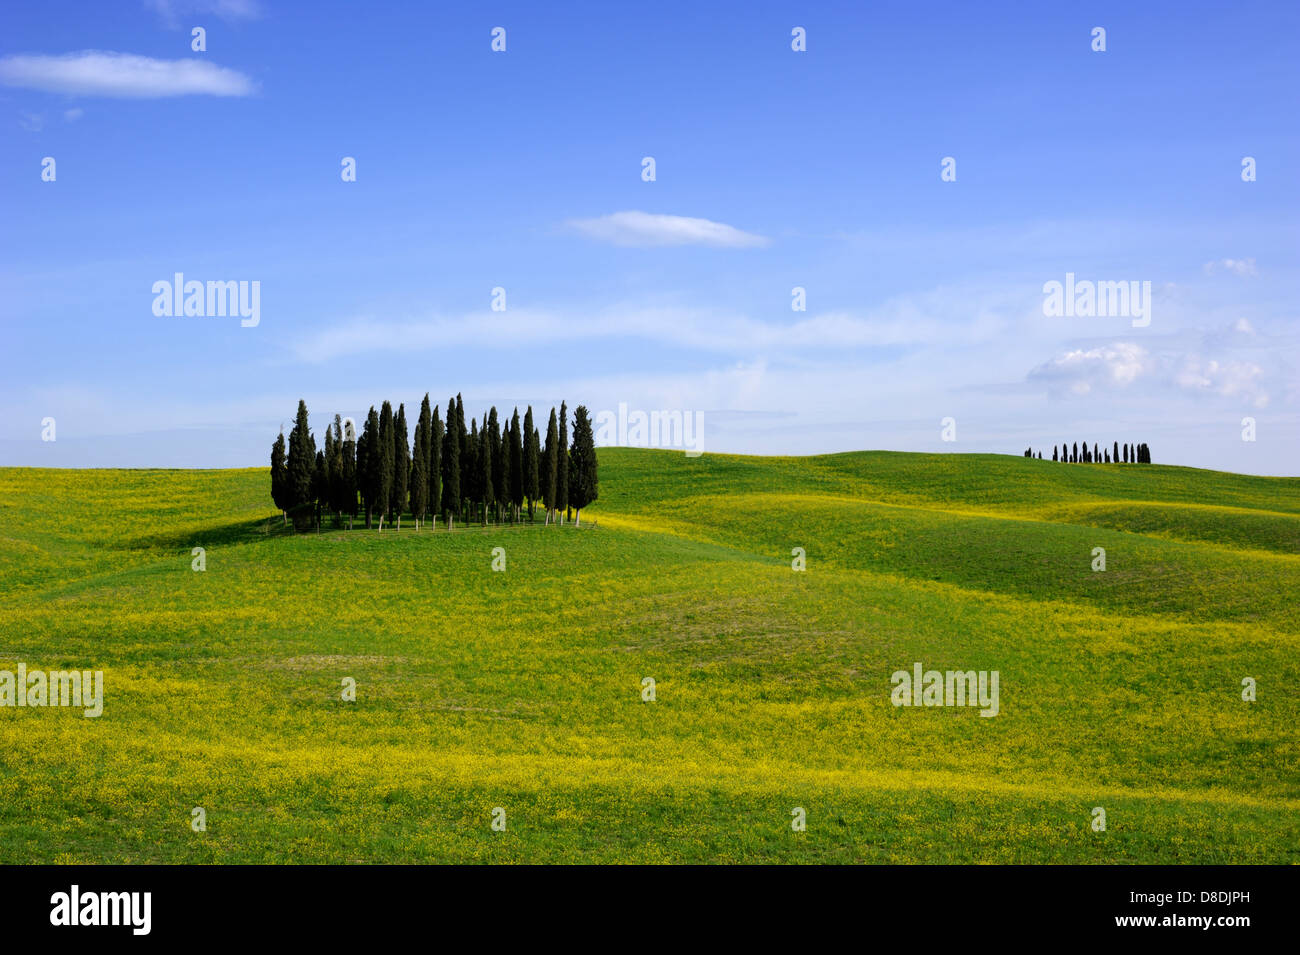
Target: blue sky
x,y
523,170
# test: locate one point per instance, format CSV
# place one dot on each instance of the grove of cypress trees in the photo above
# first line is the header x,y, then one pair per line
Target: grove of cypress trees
x,y
584,485
401,464
550,455
562,466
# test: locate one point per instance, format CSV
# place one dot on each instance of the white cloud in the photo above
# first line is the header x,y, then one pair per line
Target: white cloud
x,y
1080,370
103,73
74,114
1244,268
634,228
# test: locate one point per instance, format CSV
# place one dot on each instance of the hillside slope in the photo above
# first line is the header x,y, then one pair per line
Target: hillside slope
x,y
522,689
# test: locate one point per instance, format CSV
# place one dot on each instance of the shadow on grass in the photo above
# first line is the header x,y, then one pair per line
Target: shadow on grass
x,y
212,535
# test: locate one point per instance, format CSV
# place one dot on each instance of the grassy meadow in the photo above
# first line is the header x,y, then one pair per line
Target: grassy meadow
x,y
521,689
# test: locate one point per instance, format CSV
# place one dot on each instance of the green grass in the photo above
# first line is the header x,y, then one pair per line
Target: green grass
x,y
521,689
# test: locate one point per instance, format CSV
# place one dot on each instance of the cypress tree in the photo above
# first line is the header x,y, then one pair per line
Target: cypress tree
x,y
1053,452
1096,453
368,469
334,463
401,464
320,484
466,457
550,456
419,463
384,450
516,465
499,490
487,487
327,475
470,468
301,465
279,478
1114,453
584,483
1074,455
350,473
531,461
562,466
435,467
503,489
451,465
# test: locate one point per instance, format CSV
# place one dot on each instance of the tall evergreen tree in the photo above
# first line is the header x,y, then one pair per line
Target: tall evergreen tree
x,y
301,465
1074,455
466,458
387,449
435,466
584,484
327,475
516,465
531,461
1114,453
451,465
320,484
280,479
550,456
500,493
368,469
562,466
350,473
401,464
503,488
419,482
487,484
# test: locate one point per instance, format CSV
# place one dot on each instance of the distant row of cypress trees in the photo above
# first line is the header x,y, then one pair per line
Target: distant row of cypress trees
x,y
1133,454
448,471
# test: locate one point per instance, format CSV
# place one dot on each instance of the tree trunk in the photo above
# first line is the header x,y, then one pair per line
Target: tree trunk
x,y
577,518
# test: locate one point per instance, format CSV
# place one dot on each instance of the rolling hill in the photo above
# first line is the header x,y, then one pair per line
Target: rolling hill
x,y
522,689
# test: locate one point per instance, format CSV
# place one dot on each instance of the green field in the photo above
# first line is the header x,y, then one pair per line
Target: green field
x,y
522,689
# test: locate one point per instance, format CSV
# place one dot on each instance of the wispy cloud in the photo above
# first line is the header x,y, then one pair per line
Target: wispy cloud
x,y
172,10
1245,268
104,73
634,228
897,323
